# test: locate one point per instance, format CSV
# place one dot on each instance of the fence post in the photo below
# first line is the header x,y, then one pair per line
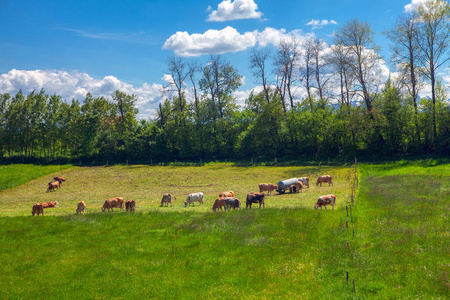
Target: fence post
x,y
346,224
252,160
354,286
347,277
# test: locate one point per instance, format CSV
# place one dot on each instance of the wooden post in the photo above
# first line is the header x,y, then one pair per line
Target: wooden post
x,y
352,200
346,224
252,160
347,277
201,162
151,161
276,162
106,163
354,286
346,207
348,245
127,162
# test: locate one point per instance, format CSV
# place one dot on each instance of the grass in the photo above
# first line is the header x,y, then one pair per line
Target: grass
x,y
288,250
16,174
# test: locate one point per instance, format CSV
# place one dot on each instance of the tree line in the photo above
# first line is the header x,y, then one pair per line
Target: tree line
x,y
342,113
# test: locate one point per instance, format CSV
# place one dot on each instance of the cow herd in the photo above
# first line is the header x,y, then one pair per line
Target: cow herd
x,y
225,201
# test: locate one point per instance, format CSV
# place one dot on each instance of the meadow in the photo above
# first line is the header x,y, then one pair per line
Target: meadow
x,y
287,250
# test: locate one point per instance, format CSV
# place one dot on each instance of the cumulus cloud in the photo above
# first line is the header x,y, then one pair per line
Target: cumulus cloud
x,y
409,8
237,10
225,40
320,23
75,85
210,42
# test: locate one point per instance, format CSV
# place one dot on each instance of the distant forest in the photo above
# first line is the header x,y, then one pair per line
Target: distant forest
x,y
344,113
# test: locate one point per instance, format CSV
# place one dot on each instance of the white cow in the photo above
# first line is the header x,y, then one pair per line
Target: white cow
x,y
194,197
304,180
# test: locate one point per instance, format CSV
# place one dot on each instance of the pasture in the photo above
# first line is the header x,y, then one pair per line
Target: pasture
x,y
287,250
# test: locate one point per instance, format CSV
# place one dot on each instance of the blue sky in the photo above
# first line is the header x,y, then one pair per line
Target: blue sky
x,y
74,47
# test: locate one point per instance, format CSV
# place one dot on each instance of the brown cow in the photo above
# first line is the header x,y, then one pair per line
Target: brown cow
x,y
130,205
167,199
325,200
113,202
37,209
60,179
324,178
255,198
226,194
53,185
267,187
218,204
49,204
80,207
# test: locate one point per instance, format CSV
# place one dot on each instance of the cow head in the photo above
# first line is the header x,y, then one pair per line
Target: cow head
x,y
316,206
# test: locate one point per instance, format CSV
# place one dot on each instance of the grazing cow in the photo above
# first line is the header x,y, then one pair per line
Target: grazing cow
x,y
80,207
60,179
293,189
194,197
324,178
267,187
113,202
49,204
130,205
226,194
255,198
218,204
53,185
305,181
167,199
299,186
37,209
325,200
231,202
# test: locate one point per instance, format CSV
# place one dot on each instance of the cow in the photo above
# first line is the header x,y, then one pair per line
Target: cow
x,y
305,181
49,204
267,187
167,199
59,178
293,189
325,200
194,197
130,205
53,185
80,207
231,202
324,178
113,202
37,209
299,186
255,198
218,204
226,194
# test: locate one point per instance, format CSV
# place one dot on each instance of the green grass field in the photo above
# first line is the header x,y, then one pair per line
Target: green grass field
x,y
288,250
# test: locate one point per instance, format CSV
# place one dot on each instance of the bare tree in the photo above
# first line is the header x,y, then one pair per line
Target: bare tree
x,y
286,62
358,38
307,69
258,58
320,64
177,71
405,54
193,69
433,39
338,60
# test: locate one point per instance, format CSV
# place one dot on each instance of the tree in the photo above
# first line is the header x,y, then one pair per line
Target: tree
x,y
362,57
433,39
178,73
286,64
258,58
219,80
405,48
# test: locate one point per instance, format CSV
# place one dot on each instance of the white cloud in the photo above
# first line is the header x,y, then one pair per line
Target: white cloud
x,y
320,23
237,10
75,85
226,40
409,8
210,42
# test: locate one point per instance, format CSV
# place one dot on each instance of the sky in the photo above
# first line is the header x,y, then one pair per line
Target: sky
x,y
73,47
